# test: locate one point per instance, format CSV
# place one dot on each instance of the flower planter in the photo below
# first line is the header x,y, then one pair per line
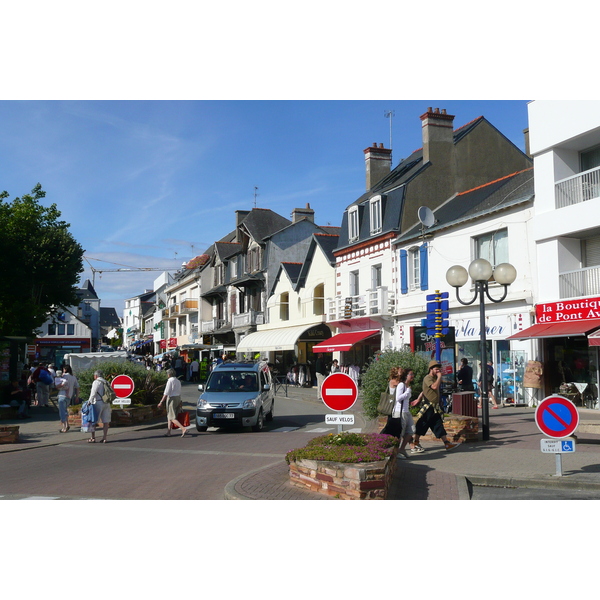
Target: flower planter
x,y
124,416
9,434
346,481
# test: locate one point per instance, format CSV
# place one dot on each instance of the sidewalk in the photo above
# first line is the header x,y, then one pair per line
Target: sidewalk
x,y
511,457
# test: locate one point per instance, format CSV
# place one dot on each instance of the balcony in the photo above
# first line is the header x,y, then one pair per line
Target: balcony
x,y
173,310
579,188
212,325
374,303
189,306
583,282
249,318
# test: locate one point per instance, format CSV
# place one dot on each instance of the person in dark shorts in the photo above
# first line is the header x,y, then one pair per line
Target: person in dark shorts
x,y
430,415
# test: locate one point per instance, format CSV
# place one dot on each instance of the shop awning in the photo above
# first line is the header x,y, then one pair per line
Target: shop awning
x,y
594,339
344,341
551,330
271,340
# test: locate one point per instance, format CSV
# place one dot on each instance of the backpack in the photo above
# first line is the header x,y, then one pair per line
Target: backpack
x,y
108,395
45,377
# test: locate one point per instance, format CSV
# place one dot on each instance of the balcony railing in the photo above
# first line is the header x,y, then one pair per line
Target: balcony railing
x,y
579,188
583,282
251,317
379,302
212,325
173,310
189,306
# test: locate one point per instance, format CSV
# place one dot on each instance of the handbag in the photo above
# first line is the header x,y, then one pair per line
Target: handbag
x,y
183,418
386,404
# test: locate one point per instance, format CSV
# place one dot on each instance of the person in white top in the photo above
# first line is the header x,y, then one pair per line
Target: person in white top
x,y
401,423
172,396
100,411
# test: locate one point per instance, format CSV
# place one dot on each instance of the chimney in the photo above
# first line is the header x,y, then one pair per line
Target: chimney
x,y
303,213
527,149
378,163
438,136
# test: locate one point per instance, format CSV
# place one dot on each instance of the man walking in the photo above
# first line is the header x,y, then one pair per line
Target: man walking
x,y
321,372
430,415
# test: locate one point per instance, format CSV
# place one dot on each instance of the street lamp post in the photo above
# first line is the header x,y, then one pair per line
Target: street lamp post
x,y
481,272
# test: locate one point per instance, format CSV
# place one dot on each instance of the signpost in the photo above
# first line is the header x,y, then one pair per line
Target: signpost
x,y
557,417
339,392
123,387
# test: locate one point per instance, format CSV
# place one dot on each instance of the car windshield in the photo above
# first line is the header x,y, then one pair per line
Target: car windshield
x,y
232,381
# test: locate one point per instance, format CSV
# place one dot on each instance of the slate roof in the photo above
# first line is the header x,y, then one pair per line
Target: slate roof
x,y
109,317
87,291
263,222
500,194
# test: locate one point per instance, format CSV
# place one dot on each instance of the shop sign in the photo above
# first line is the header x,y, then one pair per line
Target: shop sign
x,y
568,310
496,327
173,342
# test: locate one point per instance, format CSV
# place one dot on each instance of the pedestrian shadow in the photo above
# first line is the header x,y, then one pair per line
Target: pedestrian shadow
x,y
409,482
586,469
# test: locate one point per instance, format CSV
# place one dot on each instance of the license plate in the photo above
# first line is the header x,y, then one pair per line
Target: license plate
x,y
224,416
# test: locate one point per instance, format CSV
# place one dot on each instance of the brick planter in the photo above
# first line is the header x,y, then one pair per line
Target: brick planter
x,y
459,428
125,416
346,481
9,434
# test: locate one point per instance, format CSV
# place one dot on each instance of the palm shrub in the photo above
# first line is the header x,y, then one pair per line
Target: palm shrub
x,y
148,385
375,376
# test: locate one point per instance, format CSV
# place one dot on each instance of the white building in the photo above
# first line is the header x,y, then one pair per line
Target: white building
x,y
565,145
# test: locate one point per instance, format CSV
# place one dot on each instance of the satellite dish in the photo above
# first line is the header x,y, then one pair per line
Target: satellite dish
x,y
426,216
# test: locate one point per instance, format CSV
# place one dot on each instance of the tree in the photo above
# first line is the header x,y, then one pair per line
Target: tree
x,y
375,378
40,261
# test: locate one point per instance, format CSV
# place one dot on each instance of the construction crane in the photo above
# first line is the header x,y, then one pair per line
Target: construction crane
x,y
123,269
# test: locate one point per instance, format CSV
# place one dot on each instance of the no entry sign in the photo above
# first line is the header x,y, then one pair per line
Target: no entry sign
x,y
339,391
556,417
122,385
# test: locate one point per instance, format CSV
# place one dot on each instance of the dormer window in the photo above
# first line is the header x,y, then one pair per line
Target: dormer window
x,y
375,212
353,224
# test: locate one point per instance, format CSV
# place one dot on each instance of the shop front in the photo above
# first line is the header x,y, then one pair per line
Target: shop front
x,y
286,348
509,360
567,335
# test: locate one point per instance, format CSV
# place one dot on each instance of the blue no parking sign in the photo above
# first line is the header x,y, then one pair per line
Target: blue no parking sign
x,y
556,417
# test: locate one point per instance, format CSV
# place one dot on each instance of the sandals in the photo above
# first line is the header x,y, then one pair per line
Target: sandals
x,y
91,441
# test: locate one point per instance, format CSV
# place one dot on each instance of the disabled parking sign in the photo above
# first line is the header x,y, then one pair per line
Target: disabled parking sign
x,y
556,417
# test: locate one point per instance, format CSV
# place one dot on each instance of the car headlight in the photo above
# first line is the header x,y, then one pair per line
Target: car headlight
x,y
202,403
250,403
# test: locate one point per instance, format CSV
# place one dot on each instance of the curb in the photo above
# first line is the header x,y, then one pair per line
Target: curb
x,y
551,482
230,493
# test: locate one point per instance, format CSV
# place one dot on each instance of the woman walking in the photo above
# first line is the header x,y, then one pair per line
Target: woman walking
x,y
401,424
172,397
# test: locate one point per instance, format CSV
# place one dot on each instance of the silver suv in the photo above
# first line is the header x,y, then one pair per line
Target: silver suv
x,y
237,394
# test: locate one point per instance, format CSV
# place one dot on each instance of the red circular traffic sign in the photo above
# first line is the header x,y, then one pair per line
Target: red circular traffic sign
x,y
123,386
556,416
339,391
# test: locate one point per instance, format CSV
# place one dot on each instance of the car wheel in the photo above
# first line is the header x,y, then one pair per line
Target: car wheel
x,y
201,429
271,413
260,422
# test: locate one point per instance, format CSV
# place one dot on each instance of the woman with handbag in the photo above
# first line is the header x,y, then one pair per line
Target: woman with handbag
x,y
172,397
400,423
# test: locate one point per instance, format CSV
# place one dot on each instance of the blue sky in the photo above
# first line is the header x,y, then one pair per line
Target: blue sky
x,y
154,183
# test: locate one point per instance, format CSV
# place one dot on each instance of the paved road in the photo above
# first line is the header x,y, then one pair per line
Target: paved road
x,y
144,464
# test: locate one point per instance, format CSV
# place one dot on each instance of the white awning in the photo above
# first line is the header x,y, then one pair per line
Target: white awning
x,y
270,340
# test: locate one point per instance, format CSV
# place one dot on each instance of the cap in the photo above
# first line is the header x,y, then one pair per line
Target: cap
x,y
434,363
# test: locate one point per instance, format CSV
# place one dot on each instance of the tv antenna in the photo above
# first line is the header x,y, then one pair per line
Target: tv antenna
x,y
255,194
389,114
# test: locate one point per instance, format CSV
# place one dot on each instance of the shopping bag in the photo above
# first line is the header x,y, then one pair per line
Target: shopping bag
x,y
183,418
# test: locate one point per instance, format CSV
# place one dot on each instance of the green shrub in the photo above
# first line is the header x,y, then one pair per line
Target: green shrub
x,y
148,385
375,377
346,447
